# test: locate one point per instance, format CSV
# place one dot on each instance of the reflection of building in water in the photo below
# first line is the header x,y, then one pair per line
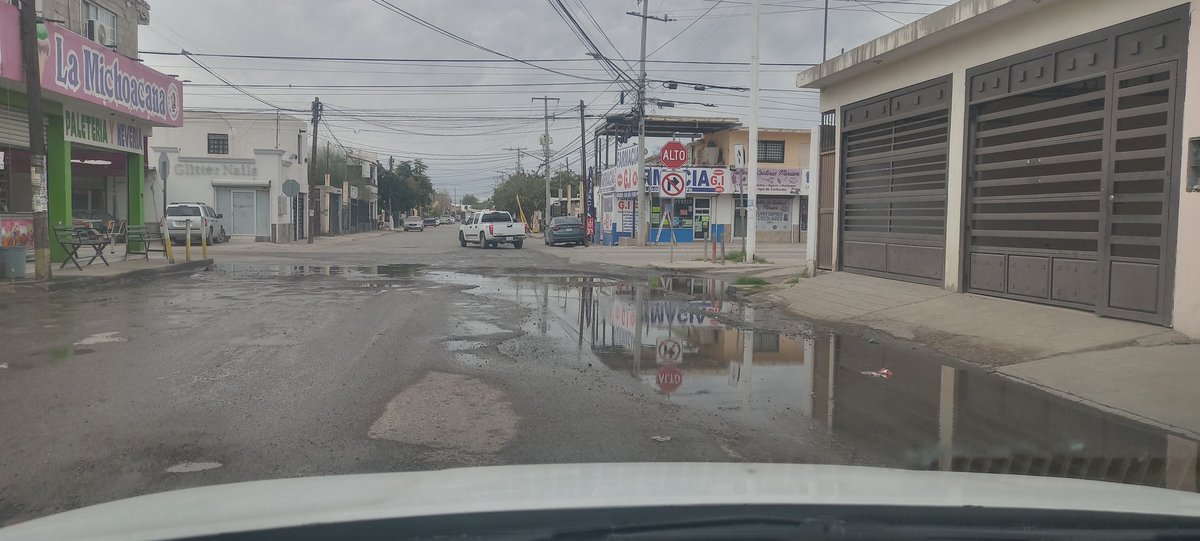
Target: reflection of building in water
x,y
932,415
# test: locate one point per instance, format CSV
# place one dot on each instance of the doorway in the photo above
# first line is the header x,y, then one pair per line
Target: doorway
x,y
702,213
244,212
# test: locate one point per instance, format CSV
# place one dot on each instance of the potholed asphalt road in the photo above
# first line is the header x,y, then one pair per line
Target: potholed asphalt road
x,y
404,352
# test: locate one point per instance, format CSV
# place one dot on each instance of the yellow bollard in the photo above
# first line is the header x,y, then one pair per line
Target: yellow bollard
x,y
167,244
204,244
187,241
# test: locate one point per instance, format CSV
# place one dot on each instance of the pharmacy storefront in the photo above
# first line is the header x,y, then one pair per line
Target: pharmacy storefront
x,y
100,107
701,208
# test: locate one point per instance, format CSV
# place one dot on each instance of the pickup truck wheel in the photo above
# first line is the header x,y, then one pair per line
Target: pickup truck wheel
x,y
462,241
483,243
518,244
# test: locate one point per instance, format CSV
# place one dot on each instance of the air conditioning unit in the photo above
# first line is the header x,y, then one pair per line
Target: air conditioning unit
x,y
100,33
290,159
709,156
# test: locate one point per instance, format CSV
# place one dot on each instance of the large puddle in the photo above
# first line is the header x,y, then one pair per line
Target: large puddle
x,y
887,399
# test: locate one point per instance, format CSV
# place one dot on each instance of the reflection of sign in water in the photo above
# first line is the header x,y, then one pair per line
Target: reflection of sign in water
x,y
669,351
669,378
774,214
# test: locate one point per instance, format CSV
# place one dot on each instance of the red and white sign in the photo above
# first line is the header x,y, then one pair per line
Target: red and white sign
x,y
591,225
669,351
673,184
669,378
673,154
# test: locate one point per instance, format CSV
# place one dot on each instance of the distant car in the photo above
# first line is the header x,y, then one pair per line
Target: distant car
x,y
431,222
565,230
445,220
414,223
205,222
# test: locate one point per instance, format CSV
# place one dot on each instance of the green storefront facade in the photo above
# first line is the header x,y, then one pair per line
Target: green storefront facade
x,y
99,109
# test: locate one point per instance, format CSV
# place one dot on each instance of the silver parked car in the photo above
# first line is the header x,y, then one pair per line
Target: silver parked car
x,y
414,223
203,220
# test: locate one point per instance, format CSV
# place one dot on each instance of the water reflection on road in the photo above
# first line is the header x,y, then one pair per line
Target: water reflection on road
x,y
892,401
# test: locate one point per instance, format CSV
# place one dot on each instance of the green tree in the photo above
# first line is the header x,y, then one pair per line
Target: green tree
x,y
469,200
405,188
532,191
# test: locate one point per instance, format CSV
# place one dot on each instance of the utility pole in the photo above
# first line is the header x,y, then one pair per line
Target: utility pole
x,y
583,173
642,232
752,159
314,216
546,152
518,151
37,141
825,34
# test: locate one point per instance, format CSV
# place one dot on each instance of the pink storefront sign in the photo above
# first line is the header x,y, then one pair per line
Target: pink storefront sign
x,y
71,65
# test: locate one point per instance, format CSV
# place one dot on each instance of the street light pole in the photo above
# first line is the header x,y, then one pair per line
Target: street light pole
x,y
752,159
546,152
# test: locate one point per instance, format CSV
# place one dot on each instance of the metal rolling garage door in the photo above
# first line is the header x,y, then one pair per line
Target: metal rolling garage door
x,y
14,127
893,196
1072,171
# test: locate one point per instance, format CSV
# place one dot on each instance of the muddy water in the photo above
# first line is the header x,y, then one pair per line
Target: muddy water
x,y
892,401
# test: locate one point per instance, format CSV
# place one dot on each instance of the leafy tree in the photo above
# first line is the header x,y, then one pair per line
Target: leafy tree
x,y
532,191
405,188
469,200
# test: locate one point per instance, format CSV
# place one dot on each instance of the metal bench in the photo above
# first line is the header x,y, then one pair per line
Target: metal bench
x,y
72,238
143,238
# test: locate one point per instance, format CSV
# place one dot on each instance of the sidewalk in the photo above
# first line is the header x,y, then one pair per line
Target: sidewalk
x,y
116,271
1141,371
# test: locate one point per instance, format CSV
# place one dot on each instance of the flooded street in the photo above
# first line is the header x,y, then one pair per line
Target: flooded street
x,y
257,371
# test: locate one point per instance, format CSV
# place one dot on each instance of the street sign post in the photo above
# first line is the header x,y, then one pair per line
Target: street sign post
x,y
669,378
669,351
673,154
673,184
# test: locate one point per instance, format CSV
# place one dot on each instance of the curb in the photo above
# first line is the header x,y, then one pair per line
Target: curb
x,y
141,274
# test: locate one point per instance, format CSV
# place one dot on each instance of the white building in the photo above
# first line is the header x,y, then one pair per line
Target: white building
x,y
1043,151
249,166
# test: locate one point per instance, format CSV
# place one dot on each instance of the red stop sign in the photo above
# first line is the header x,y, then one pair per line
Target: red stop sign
x,y
673,154
669,378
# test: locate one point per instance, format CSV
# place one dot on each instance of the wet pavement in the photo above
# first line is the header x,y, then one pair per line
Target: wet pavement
x,y
257,371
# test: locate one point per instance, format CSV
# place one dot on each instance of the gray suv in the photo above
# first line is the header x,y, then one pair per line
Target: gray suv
x,y
204,221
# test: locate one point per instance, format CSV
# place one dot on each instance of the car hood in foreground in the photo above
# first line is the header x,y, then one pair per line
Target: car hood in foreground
x,y
281,503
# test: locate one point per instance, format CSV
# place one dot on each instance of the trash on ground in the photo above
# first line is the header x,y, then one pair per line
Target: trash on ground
x,y
881,373
661,438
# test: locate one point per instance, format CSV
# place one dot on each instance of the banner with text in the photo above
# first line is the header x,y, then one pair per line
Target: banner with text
x,y
96,131
775,181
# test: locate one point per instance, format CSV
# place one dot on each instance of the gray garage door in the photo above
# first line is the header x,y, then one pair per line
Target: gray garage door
x,y
1072,169
893,184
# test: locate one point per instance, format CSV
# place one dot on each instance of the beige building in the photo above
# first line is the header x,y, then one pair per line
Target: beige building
x,y
783,163
1027,150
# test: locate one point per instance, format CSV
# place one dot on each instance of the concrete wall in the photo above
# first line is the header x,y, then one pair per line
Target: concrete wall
x,y
1048,24
126,12
1187,254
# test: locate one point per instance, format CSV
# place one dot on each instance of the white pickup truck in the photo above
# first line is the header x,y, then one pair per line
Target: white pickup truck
x,y
491,228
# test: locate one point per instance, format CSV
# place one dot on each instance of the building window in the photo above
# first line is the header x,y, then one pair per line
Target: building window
x,y
218,143
766,342
99,24
770,151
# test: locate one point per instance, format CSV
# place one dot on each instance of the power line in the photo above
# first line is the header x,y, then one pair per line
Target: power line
x,y
685,29
449,60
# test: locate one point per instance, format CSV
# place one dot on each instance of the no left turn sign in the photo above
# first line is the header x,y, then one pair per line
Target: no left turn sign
x,y
673,184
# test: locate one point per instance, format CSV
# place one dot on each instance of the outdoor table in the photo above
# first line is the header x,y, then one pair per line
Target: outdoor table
x,y
73,238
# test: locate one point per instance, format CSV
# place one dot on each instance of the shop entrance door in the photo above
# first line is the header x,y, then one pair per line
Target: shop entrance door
x,y
243,212
702,209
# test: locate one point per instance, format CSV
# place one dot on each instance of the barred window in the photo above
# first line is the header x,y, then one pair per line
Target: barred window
x,y
770,151
218,143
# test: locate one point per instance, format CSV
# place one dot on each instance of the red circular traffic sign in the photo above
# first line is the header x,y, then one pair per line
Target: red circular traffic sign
x,y
669,378
673,185
673,154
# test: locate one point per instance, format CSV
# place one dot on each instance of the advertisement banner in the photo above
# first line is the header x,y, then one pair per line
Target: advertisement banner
x,y
73,66
16,232
699,180
623,176
775,181
774,213
101,132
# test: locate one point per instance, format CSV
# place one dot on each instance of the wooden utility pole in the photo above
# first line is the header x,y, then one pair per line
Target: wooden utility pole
x,y
37,141
314,215
640,227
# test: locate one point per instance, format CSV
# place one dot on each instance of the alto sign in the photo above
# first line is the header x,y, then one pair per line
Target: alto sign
x,y
673,154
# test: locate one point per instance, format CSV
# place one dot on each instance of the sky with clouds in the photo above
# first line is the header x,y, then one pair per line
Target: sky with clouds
x,y
408,91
